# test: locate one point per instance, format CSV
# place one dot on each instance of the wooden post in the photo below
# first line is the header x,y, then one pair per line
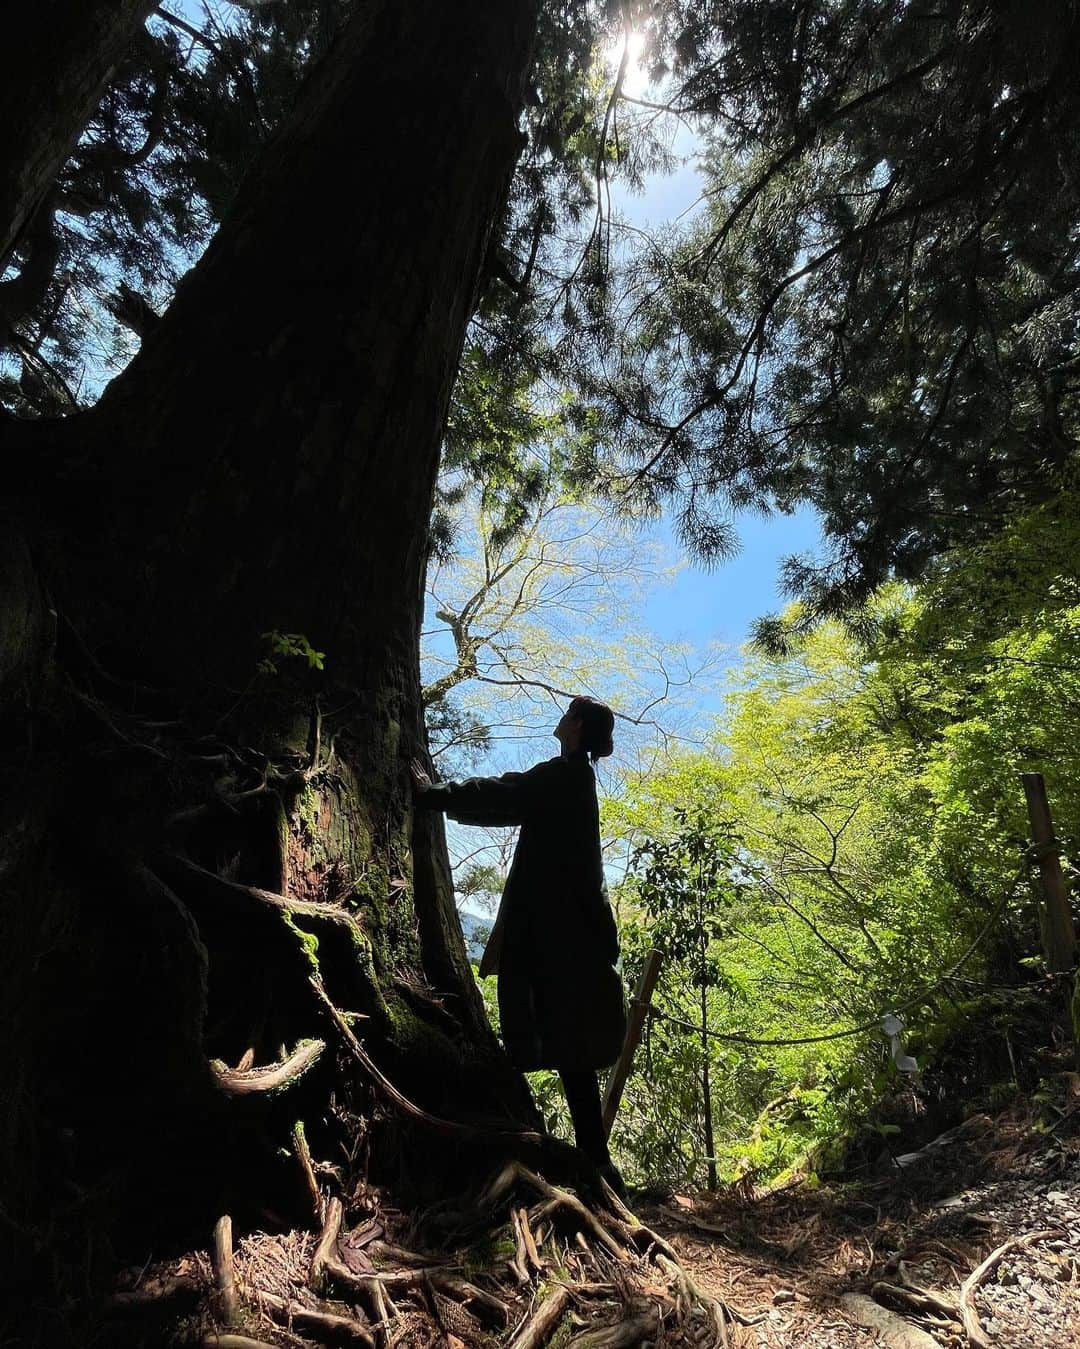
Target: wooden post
x,y
639,1010
1055,918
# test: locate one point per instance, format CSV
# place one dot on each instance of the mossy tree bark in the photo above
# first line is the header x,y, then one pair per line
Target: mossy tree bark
x,y
190,836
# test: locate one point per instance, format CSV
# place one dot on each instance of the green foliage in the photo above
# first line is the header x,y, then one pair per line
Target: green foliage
x,y
876,308
289,646
862,805
686,885
481,882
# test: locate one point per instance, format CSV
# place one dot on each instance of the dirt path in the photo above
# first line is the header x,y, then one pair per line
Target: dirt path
x,y
792,1255
984,1221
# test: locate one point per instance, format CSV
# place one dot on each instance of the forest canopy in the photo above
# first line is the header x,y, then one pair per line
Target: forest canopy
x,y
873,310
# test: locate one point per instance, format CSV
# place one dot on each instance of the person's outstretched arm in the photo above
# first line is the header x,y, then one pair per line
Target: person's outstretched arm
x,y
504,800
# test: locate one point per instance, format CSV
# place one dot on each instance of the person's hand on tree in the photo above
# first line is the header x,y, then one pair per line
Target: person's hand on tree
x,y
421,781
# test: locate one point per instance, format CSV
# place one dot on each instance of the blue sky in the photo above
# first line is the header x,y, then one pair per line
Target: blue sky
x,y
701,607
720,605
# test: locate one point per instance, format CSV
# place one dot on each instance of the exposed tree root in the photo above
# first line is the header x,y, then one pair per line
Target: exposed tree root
x,y
972,1326
927,1302
397,1255
915,1299
923,1301
887,1326
688,1295
244,1080
590,1279
227,1340
221,1254
555,1199
224,891
625,1334
386,1311
531,1253
303,1156
465,1292
322,1324
541,1325
450,1128
326,1249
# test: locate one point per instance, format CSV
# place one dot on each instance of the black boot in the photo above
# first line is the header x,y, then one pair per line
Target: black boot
x,y
583,1098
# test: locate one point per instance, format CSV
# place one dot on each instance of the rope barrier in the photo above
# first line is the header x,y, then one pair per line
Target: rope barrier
x,y
464,1130
737,1037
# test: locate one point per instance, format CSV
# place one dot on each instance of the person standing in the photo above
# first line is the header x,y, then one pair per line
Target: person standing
x,y
561,1001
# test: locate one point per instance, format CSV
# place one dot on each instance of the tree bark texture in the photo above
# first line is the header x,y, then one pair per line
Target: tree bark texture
x,y
191,836
55,60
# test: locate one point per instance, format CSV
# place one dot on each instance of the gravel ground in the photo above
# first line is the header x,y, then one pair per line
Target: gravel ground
x,y
789,1257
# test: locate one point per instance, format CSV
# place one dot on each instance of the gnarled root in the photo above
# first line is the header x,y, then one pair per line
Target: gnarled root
x,y
555,1200
245,1080
322,1324
972,1326
614,1254
541,1325
625,1334
617,1285
326,1249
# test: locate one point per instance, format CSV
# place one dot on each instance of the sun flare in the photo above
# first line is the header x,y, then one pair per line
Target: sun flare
x,y
636,79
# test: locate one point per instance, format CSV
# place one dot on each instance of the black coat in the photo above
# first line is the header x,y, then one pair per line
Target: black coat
x,y
561,1001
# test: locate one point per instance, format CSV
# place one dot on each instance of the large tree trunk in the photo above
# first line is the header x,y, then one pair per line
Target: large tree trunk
x,y
196,845
55,60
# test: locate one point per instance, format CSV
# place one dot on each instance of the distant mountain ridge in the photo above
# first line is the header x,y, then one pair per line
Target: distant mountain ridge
x,y
476,930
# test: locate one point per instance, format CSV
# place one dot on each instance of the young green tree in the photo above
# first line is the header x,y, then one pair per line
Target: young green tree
x,y
875,782
686,885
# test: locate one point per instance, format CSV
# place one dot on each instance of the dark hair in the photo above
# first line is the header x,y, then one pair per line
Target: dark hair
x,y
598,722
